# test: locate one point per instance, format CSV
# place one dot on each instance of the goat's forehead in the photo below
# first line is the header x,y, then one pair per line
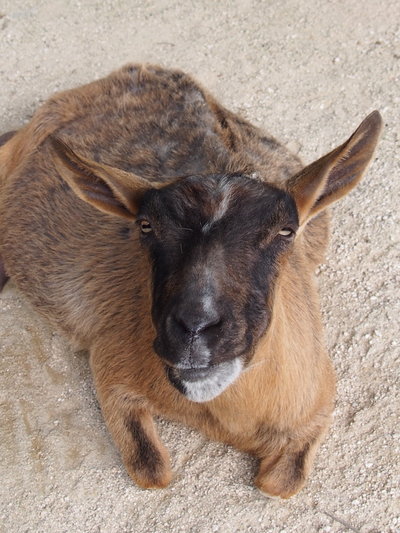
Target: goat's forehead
x,y
208,199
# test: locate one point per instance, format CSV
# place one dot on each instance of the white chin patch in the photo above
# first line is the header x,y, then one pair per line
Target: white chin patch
x,y
219,378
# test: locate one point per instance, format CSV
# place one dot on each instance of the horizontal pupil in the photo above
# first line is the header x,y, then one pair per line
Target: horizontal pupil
x,y
146,226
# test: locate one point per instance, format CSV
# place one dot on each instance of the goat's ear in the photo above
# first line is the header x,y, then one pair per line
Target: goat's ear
x,y
111,190
335,174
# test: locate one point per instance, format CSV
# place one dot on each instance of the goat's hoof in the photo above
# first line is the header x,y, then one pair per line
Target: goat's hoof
x,y
152,473
275,491
280,481
152,480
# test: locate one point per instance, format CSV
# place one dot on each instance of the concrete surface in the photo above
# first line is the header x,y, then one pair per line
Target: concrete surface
x,y
308,72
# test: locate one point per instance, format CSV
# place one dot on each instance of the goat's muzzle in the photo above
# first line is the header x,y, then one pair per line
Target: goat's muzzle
x,y
199,341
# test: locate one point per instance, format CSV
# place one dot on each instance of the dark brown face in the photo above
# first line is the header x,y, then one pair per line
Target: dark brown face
x,y
215,244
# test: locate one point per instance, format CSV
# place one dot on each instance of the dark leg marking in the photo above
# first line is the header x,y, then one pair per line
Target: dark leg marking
x,y
3,275
6,137
147,457
300,459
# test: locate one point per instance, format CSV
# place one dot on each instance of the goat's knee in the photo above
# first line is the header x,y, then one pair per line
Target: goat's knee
x,y
286,473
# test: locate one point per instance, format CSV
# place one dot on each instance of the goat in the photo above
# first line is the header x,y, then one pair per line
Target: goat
x,y
178,243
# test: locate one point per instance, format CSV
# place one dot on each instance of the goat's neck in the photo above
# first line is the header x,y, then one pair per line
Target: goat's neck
x,y
289,353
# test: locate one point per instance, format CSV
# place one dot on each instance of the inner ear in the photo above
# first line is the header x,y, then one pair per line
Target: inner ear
x,y
109,189
335,174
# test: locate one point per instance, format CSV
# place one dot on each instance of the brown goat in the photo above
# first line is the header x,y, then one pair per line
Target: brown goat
x,y
178,243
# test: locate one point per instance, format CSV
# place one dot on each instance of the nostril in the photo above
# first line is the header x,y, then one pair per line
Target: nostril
x,y
195,324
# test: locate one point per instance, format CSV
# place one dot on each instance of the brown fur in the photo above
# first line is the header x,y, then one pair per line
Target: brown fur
x,y
54,246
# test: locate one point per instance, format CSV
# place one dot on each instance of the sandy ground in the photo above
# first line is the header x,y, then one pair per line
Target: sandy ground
x,y
308,72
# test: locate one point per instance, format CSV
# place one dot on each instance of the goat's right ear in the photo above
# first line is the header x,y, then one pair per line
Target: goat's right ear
x,y
335,174
110,189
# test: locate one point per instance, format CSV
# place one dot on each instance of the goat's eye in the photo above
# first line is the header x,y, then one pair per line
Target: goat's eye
x,y
145,226
286,232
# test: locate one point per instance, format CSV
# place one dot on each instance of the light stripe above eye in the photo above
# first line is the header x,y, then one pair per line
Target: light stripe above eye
x,y
221,208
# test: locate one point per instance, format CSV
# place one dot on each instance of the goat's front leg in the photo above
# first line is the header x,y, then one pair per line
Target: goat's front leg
x,y
284,474
131,425
288,458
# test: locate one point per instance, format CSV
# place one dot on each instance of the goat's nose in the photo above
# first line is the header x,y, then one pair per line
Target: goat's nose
x,y
196,323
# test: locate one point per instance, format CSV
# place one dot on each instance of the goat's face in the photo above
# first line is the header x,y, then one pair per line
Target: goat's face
x,y
216,243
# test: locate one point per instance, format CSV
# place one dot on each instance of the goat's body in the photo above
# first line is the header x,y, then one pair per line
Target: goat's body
x,y
86,271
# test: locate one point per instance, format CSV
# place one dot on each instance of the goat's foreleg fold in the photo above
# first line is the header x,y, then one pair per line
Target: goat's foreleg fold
x,y
131,425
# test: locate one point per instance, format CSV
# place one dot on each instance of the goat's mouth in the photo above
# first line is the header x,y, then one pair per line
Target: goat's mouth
x,y
205,383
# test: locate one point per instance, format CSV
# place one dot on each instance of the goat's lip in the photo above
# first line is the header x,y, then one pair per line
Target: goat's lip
x,y
205,384
189,374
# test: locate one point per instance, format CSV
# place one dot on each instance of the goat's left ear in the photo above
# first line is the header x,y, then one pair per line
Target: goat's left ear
x,y
109,189
335,174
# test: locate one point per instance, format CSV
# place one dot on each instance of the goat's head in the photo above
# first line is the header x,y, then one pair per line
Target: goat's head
x,y
216,243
